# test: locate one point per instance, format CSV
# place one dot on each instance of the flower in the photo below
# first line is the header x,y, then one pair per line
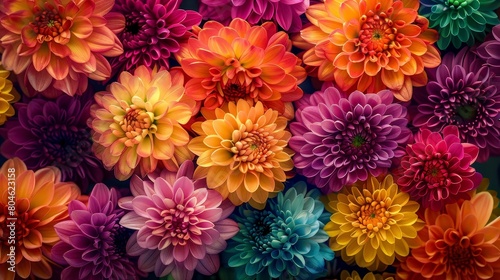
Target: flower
x,y
60,43
371,45
242,152
137,122
242,62
489,51
54,133
457,244
92,242
464,93
460,21
153,31
284,239
218,10
41,201
345,275
8,95
182,226
437,169
372,223
339,140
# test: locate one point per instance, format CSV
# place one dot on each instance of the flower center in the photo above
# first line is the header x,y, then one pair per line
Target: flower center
x,y
132,24
234,92
467,112
435,173
457,4
177,222
377,33
23,226
372,216
461,256
253,148
358,141
48,24
137,123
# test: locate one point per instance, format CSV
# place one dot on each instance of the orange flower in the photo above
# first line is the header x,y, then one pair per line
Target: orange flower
x,y
41,201
242,62
242,152
60,43
457,244
370,45
8,95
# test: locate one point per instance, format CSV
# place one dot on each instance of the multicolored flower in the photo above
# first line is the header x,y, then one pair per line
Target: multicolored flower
x,y
181,225
457,244
137,122
243,152
340,140
372,223
41,201
286,239
8,95
371,45
242,62
60,43
465,93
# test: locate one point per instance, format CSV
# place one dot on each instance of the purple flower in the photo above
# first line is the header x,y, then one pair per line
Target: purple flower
x,y
339,141
92,242
490,51
153,31
465,93
218,10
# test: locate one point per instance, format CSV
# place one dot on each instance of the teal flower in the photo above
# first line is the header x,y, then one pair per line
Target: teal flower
x,y
284,240
460,21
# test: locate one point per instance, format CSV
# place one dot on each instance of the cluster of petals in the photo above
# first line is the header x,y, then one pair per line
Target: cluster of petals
x,y
8,95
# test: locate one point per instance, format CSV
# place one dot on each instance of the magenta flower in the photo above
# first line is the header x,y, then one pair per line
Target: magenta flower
x,y
489,50
218,10
92,242
339,140
181,225
437,169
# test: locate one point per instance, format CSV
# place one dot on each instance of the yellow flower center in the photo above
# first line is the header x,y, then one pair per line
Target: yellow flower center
x,y
253,148
48,24
373,215
377,33
137,123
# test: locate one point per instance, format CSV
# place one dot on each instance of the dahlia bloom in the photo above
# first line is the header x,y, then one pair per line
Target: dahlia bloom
x,y
460,21
465,93
41,202
436,169
373,222
181,225
153,32
345,275
284,239
242,62
8,95
339,140
458,243
137,122
490,51
54,133
242,152
60,43
371,45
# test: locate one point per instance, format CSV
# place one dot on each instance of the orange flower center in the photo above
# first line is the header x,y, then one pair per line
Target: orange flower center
x,y
48,24
253,148
376,33
177,223
373,215
461,256
234,92
22,228
137,123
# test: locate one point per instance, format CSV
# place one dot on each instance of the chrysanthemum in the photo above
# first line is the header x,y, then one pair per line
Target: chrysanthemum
x,y
373,222
371,45
41,201
54,133
490,51
182,226
60,43
345,275
460,21
457,244
8,95
242,152
286,240
153,31
340,140
437,168
92,242
242,62
465,93
137,122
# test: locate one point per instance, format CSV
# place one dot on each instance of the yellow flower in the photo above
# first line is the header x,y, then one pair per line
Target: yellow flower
x,y
243,152
373,222
345,275
8,95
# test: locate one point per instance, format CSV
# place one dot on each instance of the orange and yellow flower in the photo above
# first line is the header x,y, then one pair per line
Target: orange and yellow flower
x,y
243,152
41,201
239,61
60,43
372,223
370,45
138,122
8,95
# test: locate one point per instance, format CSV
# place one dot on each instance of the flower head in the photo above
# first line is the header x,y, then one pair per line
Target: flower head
x,y
284,239
92,242
437,168
489,51
372,223
371,45
465,93
242,152
181,225
60,43
41,201
8,95
340,140
137,122
242,62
